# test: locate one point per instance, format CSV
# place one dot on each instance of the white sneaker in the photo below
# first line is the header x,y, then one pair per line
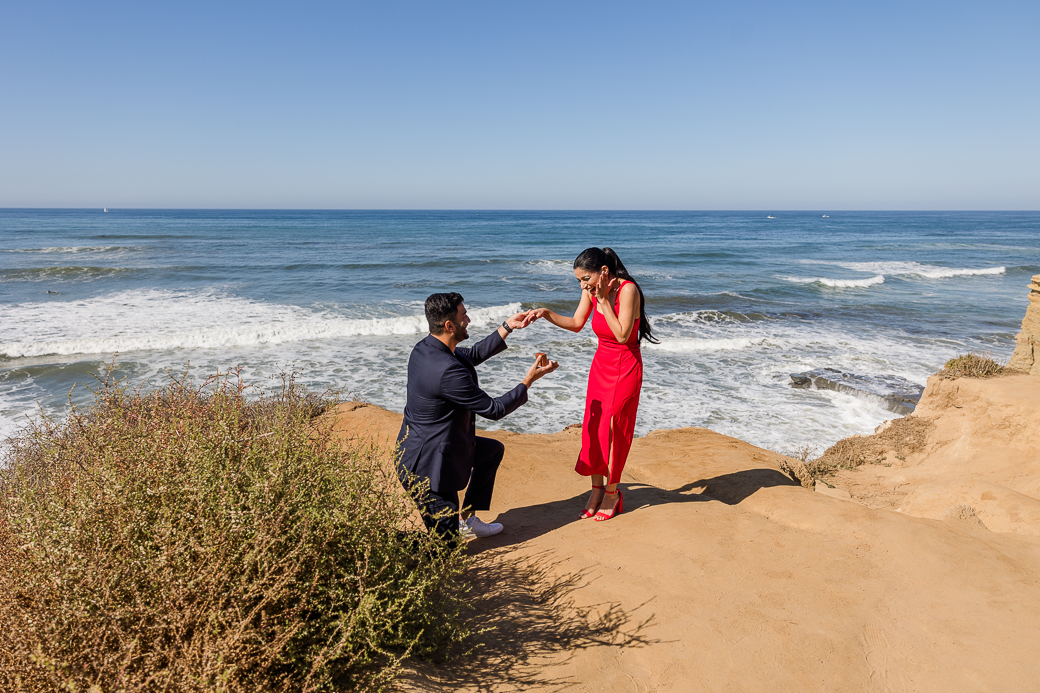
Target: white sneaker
x,y
475,527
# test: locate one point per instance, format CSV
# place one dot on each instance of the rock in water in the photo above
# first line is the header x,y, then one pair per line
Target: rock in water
x,y
896,394
1027,349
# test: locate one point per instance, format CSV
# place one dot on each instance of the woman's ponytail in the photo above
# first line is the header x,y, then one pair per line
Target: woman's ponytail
x,y
592,259
616,267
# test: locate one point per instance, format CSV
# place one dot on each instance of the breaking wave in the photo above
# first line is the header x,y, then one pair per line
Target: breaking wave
x,y
163,320
838,283
75,249
895,269
721,344
68,273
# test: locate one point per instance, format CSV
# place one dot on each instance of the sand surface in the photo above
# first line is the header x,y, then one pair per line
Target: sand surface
x,y
725,575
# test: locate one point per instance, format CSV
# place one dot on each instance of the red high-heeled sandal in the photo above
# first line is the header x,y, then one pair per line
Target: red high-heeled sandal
x,y
602,515
586,513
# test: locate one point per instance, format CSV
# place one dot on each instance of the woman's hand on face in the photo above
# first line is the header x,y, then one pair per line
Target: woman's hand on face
x,y
602,294
594,297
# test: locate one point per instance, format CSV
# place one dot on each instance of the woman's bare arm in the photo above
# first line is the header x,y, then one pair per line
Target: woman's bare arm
x,y
622,323
575,323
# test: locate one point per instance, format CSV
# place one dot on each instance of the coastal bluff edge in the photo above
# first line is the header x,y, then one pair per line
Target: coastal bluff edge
x,y
1026,357
725,574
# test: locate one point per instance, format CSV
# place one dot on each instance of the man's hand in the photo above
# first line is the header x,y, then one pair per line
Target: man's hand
x,y
521,320
535,371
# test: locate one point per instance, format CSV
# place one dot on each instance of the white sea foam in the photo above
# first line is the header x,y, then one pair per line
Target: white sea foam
x,y
921,270
641,273
698,344
17,400
61,273
74,249
710,370
164,320
837,283
943,273
548,266
908,268
566,267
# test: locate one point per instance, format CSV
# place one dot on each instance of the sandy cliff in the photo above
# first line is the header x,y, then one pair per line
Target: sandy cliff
x,y
976,447
1027,349
725,575
981,455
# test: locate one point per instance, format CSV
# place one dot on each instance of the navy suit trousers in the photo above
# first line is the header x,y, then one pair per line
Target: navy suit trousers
x,y
440,511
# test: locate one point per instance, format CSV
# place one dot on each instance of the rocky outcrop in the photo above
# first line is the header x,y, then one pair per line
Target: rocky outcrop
x,y
1027,351
896,394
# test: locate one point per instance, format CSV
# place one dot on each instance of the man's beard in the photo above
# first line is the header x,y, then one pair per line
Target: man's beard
x,y
462,334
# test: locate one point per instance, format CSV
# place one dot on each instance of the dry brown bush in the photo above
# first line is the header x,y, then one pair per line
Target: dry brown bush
x,y
803,466
901,437
192,539
973,365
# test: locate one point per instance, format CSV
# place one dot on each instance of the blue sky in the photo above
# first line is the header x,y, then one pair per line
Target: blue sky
x,y
521,105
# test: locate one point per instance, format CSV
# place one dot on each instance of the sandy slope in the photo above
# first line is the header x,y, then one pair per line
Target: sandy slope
x,y
982,452
724,575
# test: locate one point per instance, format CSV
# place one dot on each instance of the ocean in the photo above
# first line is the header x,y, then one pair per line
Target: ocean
x,y
739,300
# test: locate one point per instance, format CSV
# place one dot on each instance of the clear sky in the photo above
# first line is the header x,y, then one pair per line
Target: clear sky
x,y
521,105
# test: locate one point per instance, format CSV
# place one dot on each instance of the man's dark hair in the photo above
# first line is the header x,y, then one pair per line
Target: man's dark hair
x,y
441,307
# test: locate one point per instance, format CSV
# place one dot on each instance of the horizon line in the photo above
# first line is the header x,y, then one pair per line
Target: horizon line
x,y
505,209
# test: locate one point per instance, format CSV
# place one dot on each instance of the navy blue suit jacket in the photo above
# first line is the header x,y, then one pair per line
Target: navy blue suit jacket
x,y
439,431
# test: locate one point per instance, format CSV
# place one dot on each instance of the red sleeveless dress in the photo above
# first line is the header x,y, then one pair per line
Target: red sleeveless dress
x,y
615,380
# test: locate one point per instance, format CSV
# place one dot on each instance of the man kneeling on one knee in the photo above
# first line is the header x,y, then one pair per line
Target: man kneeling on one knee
x,y
438,439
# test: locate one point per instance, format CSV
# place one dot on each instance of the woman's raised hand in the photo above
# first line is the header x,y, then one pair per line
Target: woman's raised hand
x,y
537,314
604,288
602,294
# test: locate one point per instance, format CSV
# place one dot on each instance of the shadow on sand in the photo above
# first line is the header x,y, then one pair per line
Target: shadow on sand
x,y
531,521
734,487
528,619
525,605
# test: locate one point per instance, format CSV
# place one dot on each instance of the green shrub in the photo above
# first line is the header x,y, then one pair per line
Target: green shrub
x,y
192,539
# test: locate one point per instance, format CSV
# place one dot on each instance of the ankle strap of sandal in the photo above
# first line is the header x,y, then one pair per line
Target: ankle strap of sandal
x,y
594,486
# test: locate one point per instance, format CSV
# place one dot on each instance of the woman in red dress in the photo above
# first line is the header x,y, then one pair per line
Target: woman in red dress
x,y
616,376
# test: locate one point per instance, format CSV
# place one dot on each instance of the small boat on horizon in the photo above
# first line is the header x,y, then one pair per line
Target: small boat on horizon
x,y
769,217
105,209
826,216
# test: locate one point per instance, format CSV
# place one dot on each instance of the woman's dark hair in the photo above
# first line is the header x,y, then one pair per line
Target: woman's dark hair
x,y
592,259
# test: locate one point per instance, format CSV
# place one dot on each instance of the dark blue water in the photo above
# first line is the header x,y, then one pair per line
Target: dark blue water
x,y
740,301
